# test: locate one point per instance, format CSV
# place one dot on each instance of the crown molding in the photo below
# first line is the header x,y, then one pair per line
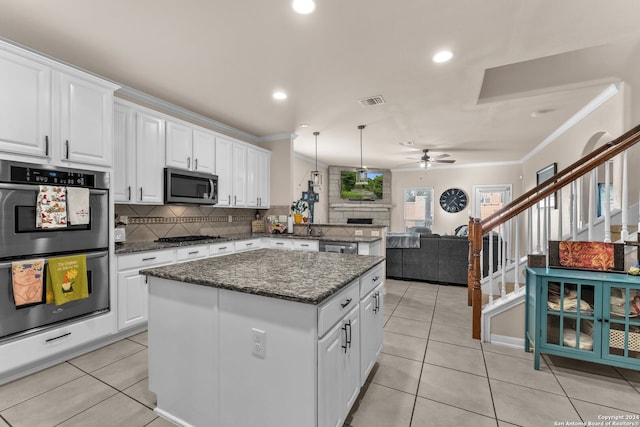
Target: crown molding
x,y
277,137
132,94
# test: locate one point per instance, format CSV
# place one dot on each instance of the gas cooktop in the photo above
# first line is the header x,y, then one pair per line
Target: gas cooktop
x,y
180,239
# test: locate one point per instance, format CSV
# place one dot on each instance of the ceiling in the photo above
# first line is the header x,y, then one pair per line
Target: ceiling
x,y
224,59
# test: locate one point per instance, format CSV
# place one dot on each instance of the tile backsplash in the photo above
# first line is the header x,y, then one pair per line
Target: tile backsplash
x,y
148,222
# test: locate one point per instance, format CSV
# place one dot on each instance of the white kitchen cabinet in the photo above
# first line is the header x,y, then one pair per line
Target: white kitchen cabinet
x,y
25,106
339,364
306,245
247,245
86,121
372,323
283,243
189,148
204,150
371,319
189,253
218,249
149,158
124,154
138,137
51,111
224,170
133,294
258,165
239,174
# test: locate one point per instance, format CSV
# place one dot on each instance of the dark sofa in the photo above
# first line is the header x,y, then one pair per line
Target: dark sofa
x,y
439,259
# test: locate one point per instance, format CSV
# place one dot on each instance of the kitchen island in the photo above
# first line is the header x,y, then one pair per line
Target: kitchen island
x,y
266,337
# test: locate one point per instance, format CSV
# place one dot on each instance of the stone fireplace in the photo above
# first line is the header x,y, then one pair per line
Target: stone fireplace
x,y
341,210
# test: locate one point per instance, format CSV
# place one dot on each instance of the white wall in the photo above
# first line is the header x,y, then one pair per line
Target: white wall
x,y
281,171
441,179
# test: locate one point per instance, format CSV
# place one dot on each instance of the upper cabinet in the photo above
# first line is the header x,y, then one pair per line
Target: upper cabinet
x,y
139,136
258,169
239,184
25,106
86,121
224,170
53,112
189,147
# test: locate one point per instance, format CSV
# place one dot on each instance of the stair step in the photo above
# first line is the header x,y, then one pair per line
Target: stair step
x,y
509,288
616,231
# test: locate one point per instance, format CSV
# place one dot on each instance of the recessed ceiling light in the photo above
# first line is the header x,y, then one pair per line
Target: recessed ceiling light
x,y
304,125
279,95
442,56
303,7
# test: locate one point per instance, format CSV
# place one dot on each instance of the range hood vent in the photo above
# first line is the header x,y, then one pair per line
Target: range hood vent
x,y
371,101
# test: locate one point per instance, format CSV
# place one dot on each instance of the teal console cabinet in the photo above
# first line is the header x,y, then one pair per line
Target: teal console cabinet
x,y
587,315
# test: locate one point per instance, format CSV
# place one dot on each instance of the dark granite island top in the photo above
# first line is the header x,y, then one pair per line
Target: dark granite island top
x,y
306,277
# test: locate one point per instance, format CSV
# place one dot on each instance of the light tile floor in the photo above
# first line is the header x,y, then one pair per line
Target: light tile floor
x,y
431,373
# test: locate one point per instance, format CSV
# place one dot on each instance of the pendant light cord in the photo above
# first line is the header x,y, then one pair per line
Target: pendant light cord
x,y
316,135
361,127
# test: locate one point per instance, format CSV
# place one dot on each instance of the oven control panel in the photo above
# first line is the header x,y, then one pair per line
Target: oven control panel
x,y
28,175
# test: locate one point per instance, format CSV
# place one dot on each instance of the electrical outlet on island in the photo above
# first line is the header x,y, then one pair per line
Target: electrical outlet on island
x,y
258,342
358,233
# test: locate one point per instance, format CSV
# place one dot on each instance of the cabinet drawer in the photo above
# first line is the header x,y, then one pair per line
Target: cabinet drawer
x,y
144,259
371,279
281,243
191,252
306,245
337,307
247,245
221,248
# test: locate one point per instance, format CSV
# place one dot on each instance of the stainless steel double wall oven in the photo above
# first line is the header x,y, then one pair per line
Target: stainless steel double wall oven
x,y
20,239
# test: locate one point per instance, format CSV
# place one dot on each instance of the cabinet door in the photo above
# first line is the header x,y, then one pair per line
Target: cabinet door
x,y
352,360
621,328
86,121
331,355
179,152
124,161
25,106
263,178
239,175
132,299
252,178
149,158
204,151
569,315
224,169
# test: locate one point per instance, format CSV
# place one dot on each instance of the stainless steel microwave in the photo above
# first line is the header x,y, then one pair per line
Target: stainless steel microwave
x,y
182,186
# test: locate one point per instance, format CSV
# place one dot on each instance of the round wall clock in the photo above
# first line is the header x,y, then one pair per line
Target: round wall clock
x,y
453,200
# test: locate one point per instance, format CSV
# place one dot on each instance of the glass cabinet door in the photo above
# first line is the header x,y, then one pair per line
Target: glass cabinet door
x,y
570,314
623,322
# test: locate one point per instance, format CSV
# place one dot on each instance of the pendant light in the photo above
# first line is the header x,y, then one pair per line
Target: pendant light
x,y
361,174
316,175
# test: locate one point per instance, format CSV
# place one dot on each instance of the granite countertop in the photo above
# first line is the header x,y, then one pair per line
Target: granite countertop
x,y
306,277
132,247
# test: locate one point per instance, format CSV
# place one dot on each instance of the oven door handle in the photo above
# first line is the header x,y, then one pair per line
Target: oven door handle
x,y
34,187
89,255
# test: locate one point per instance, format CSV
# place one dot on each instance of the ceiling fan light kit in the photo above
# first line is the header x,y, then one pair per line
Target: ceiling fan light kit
x,y
361,173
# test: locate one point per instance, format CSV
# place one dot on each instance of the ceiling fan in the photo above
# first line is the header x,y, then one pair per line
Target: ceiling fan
x,y
426,160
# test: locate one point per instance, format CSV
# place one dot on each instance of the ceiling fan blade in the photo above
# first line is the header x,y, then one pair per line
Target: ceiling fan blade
x,y
441,156
444,161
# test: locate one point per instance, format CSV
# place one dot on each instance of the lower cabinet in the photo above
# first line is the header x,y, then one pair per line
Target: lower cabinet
x,y
294,364
132,286
372,320
338,370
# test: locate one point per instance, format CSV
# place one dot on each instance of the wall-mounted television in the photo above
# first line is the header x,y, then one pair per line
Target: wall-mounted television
x,y
370,191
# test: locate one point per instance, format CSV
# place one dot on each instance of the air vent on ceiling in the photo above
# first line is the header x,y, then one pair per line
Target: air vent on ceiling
x,y
371,101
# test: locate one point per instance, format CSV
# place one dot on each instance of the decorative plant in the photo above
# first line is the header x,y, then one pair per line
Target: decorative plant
x,y
298,206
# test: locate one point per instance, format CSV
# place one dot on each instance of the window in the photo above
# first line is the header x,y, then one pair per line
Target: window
x,y
418,208
490,198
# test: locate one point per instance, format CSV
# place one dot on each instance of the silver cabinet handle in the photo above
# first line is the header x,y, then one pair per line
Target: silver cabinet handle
x,y
196,164
222,248
234,200
375,279
188,162
212,192
148,259
129,197
229,198
346,303
194,252
67,148
46,145
140,193
249,244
